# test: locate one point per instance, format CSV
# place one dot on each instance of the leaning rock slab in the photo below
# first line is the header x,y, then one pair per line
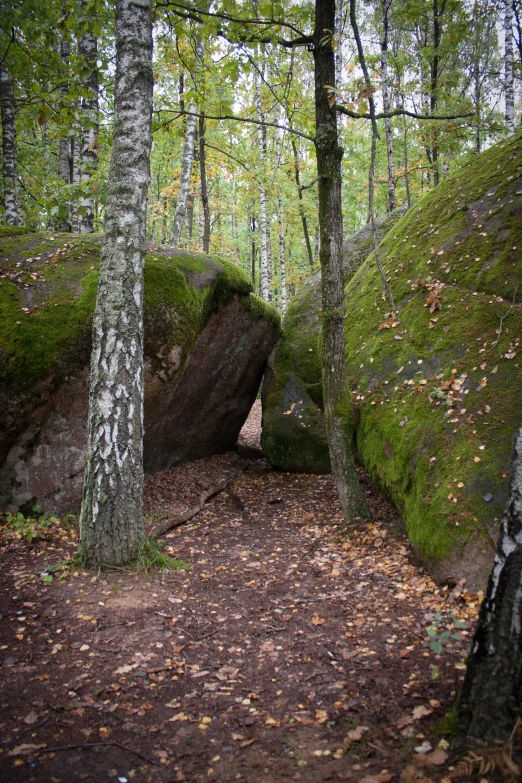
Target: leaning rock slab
x,y
207,338
438,395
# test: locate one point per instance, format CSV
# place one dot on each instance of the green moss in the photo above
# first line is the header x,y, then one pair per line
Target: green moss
x,y
13,231
261,310
436,462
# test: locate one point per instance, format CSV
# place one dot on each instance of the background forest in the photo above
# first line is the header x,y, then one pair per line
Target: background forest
x,y
233,161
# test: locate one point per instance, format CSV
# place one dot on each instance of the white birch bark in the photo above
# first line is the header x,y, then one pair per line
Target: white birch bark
x,y
280,214
187,160
111,520
509,89
88,48
492,691
263,218
9,158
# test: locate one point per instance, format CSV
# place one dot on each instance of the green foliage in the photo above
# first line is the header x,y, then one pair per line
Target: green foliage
x,y
149,556
29,528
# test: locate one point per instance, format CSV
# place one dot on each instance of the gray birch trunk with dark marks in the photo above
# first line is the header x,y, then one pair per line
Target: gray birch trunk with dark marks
x,y
64,144
88,143
187,159
490,702
509,90
9,159
329,156
111,520
263,217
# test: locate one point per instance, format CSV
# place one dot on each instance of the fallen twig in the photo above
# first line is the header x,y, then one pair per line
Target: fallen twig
x,y
99,745
502,319
172,522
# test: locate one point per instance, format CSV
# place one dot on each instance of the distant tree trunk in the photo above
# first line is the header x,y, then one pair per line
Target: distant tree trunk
x,y
339,22
187,159
329,156
509,91
492,692
438,12
64,144
386,105
302,214
282,260
405,150
203,183
111,520
88,151
9,158
263,217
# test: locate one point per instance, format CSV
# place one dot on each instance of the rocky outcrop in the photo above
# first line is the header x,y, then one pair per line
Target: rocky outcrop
x,y
437,394
294,436
207,338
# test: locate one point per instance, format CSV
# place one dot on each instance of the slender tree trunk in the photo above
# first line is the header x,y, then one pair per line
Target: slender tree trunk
x,y
282,261
9,158
88,151
204,187
339,22
386,105
492,691
405,152
263,219
64,144
509,91
329,157
434,83
302,214
111,520
187,159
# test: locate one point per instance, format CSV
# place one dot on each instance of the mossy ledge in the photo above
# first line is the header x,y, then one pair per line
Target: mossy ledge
x,y
438,395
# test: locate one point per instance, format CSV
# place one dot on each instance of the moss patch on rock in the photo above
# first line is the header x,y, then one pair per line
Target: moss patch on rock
x,y
439,393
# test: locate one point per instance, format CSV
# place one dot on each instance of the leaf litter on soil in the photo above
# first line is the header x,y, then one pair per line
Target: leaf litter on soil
x,y
291,649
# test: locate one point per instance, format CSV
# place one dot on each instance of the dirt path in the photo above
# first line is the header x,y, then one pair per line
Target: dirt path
x,y
288,650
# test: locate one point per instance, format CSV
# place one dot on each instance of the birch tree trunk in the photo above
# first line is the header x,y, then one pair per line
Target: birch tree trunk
x,y
111,520
88,49
64,144
9,159
329,156
492,691
263,219
280,213
509,91
187,160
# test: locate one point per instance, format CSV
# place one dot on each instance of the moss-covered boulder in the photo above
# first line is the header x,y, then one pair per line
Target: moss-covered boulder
x,y
438,395
207,338
294,436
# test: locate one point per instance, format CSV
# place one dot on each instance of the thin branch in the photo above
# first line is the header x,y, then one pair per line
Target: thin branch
x,y
502,319
171,522
236,119
400,112
98,745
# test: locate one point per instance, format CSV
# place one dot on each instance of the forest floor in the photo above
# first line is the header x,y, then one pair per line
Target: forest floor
x,y
289,649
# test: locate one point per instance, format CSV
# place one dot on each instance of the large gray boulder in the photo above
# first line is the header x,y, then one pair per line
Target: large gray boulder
x,y
207,338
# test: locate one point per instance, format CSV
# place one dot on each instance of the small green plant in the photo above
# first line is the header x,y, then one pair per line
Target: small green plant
x,y
58,571
149,556
439,396
19,526
438,638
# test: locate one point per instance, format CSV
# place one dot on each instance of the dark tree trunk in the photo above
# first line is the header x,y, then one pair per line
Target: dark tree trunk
x,y
9,159
64,145
329,156
204,186
111,520
304,221
492,691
